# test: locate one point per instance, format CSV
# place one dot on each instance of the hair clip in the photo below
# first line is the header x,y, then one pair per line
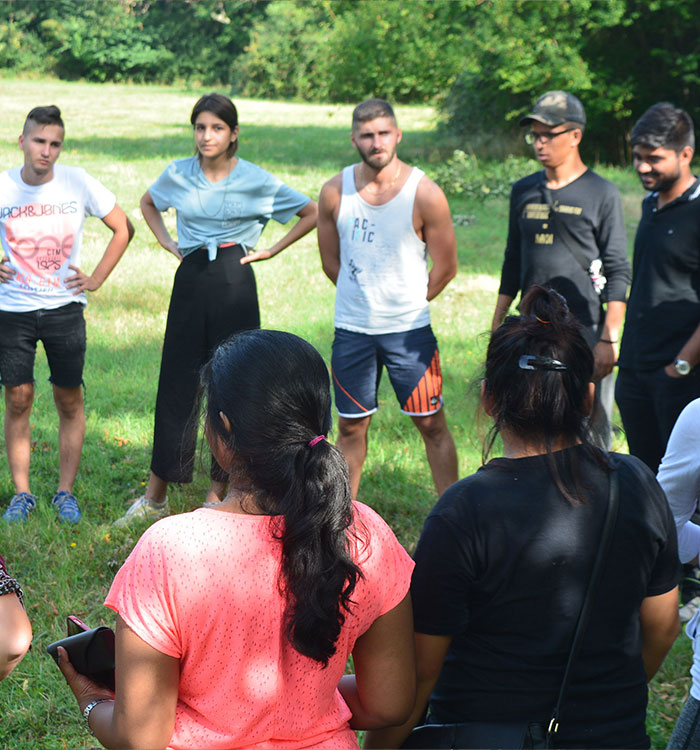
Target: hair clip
x,y
539,362
544,322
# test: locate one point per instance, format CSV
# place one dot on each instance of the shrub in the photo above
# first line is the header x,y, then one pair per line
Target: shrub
x,y
284,57
463,174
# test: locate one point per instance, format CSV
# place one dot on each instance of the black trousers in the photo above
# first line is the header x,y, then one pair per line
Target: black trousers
x,y
650,403
210,301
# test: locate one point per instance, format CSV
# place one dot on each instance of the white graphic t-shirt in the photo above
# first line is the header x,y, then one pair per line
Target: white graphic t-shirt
x,y
41,230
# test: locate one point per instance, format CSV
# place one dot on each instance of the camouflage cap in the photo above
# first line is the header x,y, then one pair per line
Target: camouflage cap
x,y
555,108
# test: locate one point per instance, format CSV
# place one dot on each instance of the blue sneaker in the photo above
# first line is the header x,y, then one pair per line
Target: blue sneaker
x,y
67,507
21,505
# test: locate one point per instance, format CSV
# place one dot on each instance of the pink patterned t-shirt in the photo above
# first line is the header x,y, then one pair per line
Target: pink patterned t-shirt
x,y
202,587
41,232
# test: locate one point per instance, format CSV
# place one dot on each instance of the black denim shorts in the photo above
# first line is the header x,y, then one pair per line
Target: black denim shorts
x,y
61,331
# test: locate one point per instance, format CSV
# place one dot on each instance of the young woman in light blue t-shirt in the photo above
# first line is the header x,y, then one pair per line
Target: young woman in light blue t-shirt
x,y
222,203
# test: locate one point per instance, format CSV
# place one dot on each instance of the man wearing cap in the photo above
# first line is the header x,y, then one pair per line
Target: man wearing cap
x,y
566,231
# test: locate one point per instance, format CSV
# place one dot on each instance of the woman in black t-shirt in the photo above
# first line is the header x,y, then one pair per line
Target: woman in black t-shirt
x,y
505,557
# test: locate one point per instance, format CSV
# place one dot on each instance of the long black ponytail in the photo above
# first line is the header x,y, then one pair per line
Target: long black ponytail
x,y
274,390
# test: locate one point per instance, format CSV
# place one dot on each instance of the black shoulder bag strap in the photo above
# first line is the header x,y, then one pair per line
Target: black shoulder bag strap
x,y
562,229
584,614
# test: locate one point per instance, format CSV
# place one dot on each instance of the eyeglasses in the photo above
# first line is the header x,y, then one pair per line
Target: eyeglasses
x,y
531,137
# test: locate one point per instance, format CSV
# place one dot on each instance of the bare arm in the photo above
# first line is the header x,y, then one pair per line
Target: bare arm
x,y
660,626
611,241
328,240
438,234
690,353
430,656
142,714
503,304
155,222
510,270
122,232
15,633
382,690
307,221
607,349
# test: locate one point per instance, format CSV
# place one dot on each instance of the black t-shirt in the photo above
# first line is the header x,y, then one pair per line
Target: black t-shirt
x,y
588,217
503,564
664,304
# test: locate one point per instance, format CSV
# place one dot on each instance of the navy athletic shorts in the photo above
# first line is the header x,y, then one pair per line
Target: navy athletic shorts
x,y
411,359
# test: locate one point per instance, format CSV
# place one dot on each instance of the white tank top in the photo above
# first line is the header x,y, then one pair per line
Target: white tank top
x,y
383,279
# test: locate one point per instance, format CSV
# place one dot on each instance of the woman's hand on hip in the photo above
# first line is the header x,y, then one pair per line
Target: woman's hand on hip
x,y
172,247
256,256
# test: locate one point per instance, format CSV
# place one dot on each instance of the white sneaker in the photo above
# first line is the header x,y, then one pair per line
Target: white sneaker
x,y
143,508
689,609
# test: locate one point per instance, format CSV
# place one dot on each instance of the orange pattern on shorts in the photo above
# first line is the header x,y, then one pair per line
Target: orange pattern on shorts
x,y
425,397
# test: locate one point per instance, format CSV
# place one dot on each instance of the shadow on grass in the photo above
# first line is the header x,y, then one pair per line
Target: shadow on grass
x,y
126,302
287,147
121,386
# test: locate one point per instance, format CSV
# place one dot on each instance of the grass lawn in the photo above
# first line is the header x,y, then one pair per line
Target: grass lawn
x,y
125,136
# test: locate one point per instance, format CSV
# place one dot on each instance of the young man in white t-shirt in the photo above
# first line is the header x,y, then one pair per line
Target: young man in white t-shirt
x,y
42,296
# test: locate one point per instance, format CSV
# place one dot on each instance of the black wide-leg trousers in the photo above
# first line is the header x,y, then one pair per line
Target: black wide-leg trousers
x,y
210,301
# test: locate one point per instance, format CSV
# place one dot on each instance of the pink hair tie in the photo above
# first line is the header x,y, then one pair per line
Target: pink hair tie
x,y
316,440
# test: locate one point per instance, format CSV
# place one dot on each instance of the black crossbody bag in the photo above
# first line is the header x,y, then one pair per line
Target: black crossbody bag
x,y
524,734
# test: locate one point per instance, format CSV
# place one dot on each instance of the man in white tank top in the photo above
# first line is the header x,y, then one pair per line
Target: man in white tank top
x,y
378,222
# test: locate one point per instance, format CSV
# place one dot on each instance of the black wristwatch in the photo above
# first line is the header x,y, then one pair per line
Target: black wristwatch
x,y
683,367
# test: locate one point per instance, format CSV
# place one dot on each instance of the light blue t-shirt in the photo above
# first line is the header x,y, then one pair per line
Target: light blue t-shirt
x,y
235,209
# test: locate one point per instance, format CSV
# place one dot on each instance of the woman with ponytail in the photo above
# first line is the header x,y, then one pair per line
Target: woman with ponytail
x,y
505,557
235,622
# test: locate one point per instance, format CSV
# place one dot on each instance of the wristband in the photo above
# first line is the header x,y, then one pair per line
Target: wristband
x,y
88,709
608,341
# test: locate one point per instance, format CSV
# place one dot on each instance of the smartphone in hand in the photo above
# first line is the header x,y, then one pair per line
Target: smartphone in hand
x,y
75,626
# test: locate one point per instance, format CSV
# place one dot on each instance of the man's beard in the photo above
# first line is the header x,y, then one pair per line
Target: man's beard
x,y
664,184
367,159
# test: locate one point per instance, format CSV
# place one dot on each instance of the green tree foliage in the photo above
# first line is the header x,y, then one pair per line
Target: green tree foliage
x,y
406,52
651,55
99,41
482,61
618,56
122,40
21,47
206,37
518,50
286,54
342,51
